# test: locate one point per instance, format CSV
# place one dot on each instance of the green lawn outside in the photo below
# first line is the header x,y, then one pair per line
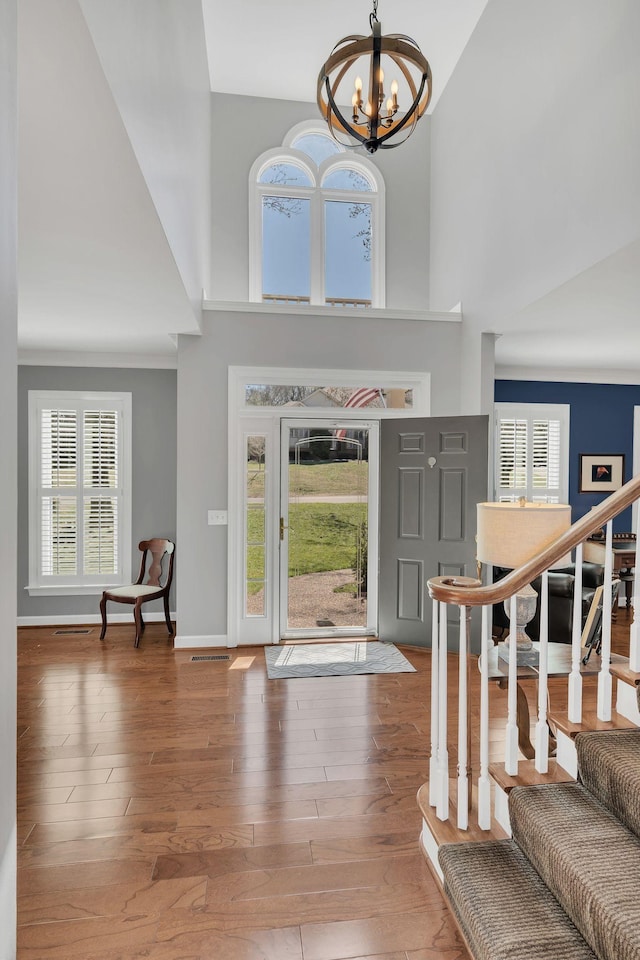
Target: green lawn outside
x,y
322,536
326,479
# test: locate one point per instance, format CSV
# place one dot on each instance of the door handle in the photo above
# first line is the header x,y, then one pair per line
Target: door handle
x,y
283,527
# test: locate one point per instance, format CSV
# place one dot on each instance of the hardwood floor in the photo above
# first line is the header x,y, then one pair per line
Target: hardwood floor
x,y
190,810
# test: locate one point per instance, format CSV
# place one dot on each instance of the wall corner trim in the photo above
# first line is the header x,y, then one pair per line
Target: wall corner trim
x,y
199,642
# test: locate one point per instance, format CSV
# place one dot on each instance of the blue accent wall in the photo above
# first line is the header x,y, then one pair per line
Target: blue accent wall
x,y
601,422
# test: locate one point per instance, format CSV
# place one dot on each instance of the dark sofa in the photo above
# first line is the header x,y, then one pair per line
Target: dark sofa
x,y
561,590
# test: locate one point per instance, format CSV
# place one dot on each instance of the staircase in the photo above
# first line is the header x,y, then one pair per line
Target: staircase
x,y
567,886
539,858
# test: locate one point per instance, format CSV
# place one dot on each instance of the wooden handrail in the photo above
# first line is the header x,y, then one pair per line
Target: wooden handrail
x,y
468,592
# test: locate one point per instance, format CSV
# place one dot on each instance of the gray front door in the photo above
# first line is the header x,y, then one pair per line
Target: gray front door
x,y
433,472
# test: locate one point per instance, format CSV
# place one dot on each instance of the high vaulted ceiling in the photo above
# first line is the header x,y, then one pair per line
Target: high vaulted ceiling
x,y
285,42
99,266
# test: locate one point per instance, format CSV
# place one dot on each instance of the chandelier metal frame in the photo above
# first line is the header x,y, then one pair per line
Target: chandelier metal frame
x,y
369,125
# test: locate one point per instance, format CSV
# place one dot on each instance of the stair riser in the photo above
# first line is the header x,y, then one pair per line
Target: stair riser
x,y
627,702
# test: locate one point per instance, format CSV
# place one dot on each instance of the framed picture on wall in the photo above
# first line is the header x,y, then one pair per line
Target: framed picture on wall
x,y
601,472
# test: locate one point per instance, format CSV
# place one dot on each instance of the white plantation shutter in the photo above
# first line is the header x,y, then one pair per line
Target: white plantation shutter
x,y
100,535
81,490
100,448
59,460
100,459
532,443
59,536
511,473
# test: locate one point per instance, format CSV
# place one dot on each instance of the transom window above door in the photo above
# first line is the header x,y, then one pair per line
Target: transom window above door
x,y
316,216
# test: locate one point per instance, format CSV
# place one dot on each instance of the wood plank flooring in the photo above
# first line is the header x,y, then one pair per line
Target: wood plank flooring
x,y
187,810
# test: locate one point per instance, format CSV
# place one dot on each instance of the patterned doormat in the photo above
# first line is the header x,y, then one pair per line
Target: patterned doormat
x,y
334,660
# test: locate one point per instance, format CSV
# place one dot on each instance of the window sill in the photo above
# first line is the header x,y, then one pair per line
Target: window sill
x,y
322,310
69,590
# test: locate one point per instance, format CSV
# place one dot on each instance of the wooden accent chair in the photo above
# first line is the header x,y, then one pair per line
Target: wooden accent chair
x,y
137,593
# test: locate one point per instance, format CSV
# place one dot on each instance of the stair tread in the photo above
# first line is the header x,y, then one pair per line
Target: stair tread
x,y
446,831
527,775
590,721
504,909
623,672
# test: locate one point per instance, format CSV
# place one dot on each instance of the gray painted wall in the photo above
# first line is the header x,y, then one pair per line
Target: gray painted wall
x,y
244,127
153,474
8,356
242,339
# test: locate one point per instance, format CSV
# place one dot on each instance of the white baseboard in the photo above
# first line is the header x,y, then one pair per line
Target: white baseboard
x,y
430,849
88,618
200,642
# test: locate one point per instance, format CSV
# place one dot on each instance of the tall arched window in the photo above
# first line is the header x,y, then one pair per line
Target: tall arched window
x,y
316,224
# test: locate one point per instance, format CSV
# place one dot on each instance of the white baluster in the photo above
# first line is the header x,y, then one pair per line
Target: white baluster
x,y
605,682
574,711
634,645
511,732
542,730
442,806
463,778
433,760
484,784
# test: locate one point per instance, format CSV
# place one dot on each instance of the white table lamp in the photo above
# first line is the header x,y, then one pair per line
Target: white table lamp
x,y
510,534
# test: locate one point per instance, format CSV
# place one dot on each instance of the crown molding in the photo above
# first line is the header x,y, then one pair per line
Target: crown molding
x,y
567,374
77,358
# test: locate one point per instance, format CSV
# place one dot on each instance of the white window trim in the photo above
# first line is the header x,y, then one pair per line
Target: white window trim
x,y
531,411
418,382
78,400
317,194
245,419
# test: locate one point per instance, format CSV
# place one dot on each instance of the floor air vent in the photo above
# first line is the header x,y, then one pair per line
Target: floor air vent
x,y
219,656
60,633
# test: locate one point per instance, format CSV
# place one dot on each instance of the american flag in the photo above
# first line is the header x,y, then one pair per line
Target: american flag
x,y
361,397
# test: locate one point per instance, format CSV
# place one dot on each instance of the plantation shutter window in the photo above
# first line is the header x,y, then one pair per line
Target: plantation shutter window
x,y
531,444
80,454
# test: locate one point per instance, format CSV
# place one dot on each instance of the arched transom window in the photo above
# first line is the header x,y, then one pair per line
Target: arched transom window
x,y
316,224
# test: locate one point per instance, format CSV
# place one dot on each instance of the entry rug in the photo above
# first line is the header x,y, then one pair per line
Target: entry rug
x,y
334,659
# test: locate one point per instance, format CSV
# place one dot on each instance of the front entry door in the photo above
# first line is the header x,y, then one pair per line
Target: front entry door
x,y
328,528
433,472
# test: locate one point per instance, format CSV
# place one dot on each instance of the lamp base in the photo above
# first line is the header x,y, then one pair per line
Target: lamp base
x,y
526,602
525,658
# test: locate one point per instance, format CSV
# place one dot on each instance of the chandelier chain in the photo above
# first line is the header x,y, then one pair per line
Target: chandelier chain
x,y
373,16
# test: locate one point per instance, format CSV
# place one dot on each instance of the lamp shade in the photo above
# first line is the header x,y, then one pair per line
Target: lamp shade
x,y
510,534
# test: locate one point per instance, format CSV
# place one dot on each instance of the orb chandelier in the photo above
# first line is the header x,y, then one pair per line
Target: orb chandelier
x,y
375,117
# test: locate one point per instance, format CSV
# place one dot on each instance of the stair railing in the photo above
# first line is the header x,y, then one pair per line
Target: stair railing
x,y
466,592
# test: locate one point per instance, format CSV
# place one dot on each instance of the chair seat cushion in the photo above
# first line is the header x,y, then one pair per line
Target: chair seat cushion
x,y
134,590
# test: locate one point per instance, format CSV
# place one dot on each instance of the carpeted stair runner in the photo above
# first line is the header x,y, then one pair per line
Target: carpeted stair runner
x,y
609,766
574,862
503,907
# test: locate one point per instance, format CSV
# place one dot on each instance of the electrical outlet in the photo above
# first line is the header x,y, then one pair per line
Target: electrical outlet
x,y
216,518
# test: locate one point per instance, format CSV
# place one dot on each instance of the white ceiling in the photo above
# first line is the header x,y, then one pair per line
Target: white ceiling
x,y
301,35
591,322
